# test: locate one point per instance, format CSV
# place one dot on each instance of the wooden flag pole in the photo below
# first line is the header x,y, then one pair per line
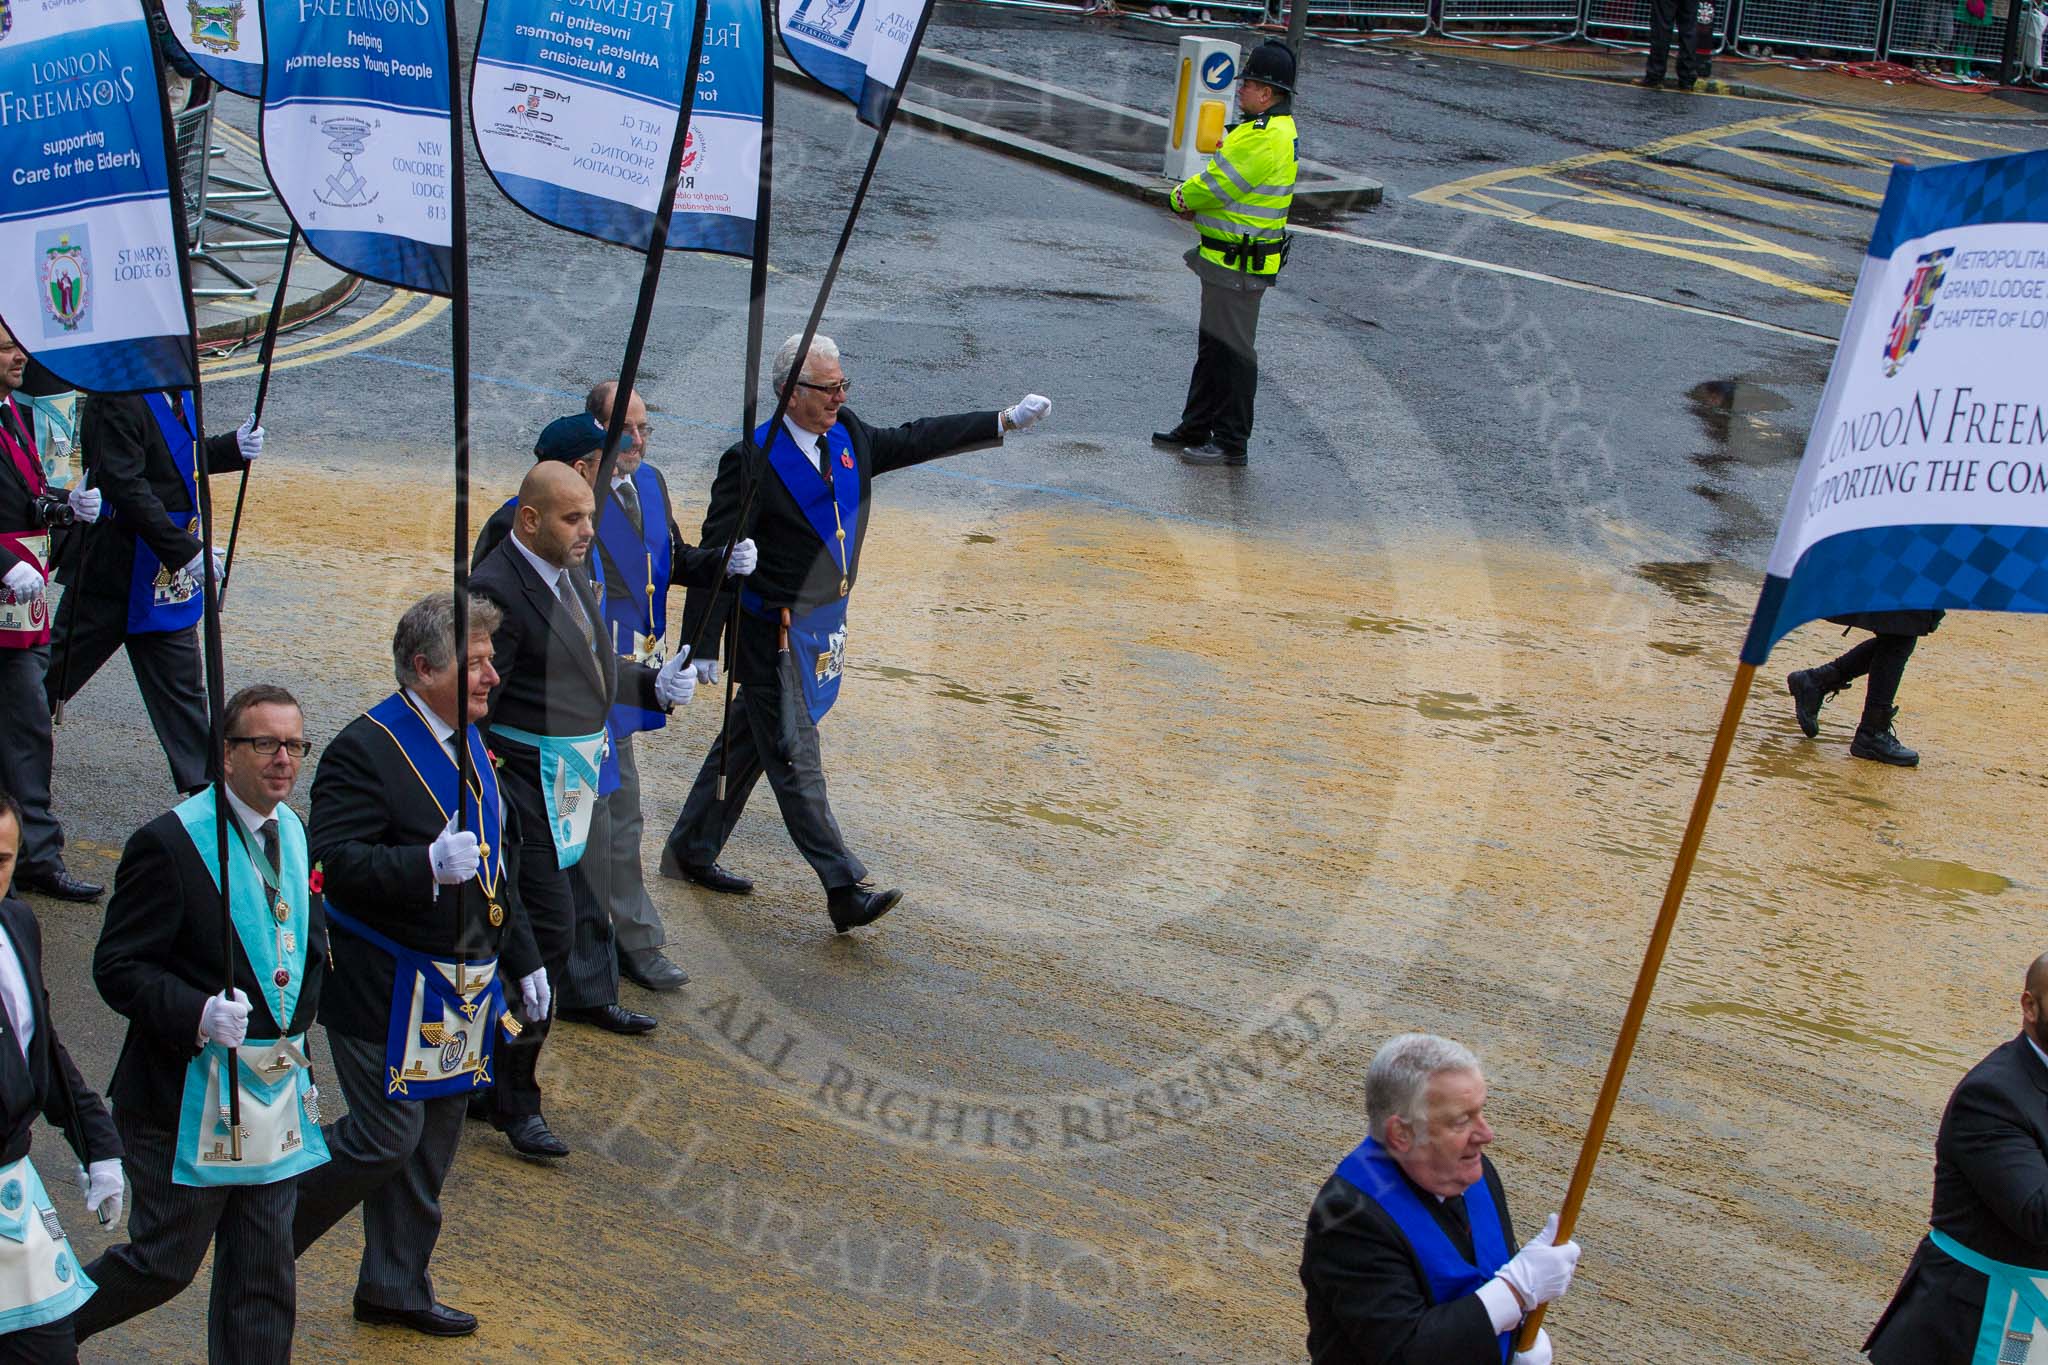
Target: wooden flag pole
x,y
1646,978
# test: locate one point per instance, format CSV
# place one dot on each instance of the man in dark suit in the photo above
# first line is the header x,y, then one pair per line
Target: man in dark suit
x,y
558,681
138,582
1972,1273
160,965
418,901
28,507
640,553
40,1274
810,517
1409,1257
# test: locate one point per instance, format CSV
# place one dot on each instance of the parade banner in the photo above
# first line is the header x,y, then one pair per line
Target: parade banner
x,y
224,39
358,135
574,108
861,48
721,166
93,286
1925,478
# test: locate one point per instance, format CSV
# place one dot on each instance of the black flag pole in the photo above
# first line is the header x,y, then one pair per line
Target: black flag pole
x,y
458,288
650,270
216,667
269,348
755,320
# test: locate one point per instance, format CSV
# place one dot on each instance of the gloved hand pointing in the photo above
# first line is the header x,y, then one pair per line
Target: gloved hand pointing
x,y
454,856
103,1190
85,503
25,583
225,1019
745,559
677,682
249,438
1030,410
1542,1270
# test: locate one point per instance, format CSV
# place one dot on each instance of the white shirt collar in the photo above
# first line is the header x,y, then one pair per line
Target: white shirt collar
x,y
549,573
443,731
621,480
809,442
245,812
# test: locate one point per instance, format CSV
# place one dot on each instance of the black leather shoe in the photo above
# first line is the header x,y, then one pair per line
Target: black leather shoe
x,y
611,1018
58,885
1212,454
438,1321
713,877
652,970
1810,689
853,906
1179,439
1880,745
1651,82
530,1138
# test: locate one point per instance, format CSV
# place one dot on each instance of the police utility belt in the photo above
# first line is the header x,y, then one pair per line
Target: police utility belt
x,y
1249,253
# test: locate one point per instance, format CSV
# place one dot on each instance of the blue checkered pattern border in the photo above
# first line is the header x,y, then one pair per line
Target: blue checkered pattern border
x,y
1997,189
1905,568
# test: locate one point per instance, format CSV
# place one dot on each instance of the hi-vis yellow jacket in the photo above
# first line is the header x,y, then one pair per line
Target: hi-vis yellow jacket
x,y
1240,199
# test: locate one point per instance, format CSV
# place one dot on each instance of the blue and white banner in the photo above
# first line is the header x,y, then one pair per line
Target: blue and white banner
x,y
91,284
575,106
356,133
715,198
1925,479
861,48
224,38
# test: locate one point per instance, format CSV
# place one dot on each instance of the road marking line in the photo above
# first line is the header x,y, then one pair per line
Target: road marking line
x,y
1600,289
429,310
387,311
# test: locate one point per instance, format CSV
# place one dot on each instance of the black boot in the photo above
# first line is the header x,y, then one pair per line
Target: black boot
x,y
1877,743
1810,689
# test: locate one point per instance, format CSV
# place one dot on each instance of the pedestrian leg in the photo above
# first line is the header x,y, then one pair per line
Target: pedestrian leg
x,y
173,682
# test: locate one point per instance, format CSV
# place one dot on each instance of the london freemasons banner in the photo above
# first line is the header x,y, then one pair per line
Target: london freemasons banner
x,y
356,133
1925,478
91,283
575,105
858,47
225,39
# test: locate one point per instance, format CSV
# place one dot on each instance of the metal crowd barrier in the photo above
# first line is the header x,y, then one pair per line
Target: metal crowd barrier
x,y
1608,20
1847,26
1387,16
1556,19
1947,31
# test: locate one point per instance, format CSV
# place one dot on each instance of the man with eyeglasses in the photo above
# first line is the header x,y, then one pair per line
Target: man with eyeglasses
x,y
810,516
159,965
642,554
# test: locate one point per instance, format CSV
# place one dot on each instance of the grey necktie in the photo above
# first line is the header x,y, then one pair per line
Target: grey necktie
x,y
267,831
629,501
565,588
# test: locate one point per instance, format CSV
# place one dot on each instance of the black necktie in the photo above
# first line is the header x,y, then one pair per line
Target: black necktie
x,y
629,501
268,833
573,601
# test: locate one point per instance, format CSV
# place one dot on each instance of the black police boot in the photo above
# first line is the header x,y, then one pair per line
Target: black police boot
x,y
1180,438
1810,689
1877,743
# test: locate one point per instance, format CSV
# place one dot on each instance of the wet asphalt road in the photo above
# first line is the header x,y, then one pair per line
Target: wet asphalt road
x,y
1164,753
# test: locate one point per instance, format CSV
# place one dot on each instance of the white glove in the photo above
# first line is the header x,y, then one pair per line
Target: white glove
x,y
25,583
745,559
1030,410
534,994
249,438
196,566
103,1190
1542,1270
677,682
454,856
707,671
86,503
225,1020
1539,1354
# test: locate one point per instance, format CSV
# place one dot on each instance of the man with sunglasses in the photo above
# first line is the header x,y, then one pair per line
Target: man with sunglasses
x,y
809,513
159,964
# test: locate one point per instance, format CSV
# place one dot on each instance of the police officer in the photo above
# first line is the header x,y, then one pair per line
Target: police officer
x,y
1239,203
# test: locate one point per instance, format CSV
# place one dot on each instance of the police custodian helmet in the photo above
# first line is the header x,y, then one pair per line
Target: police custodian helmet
x,y
1271,63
